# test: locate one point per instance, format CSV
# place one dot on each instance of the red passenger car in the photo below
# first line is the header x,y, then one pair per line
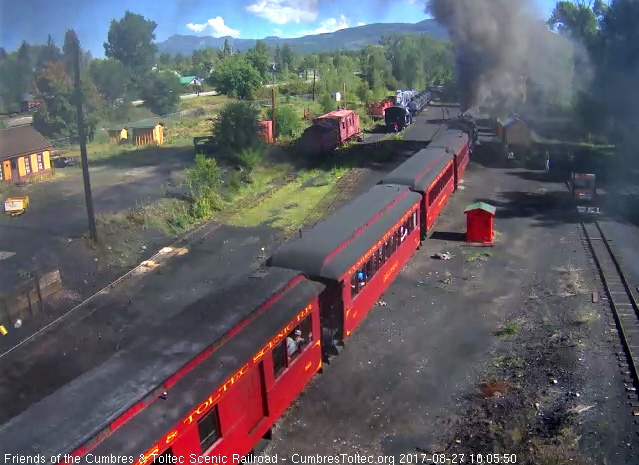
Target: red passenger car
x,y
431,172
212,380
455,143
357,253
330,131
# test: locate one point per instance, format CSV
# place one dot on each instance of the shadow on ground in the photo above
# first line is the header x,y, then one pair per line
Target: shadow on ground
x,y
449,236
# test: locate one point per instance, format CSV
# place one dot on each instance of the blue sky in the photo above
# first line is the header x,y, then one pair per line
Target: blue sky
x,y
32,20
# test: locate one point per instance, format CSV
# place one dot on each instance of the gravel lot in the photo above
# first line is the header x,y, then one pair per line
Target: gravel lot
x,y
498,350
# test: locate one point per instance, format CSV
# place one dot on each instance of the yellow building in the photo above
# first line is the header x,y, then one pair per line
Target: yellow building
x,y
24,152
146,133
118,134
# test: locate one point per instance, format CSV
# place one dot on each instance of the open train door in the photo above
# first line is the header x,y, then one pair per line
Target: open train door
x,y
331,318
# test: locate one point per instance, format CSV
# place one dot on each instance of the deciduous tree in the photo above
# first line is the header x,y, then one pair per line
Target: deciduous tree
x,y
130,40
236,77
161,92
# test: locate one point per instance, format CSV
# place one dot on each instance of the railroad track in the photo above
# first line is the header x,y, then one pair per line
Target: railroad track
x,y
345,187
623,304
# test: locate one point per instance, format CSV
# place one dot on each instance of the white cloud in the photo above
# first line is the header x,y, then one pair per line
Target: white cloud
x,y
361,24
285,11
278,32
216,27
329,25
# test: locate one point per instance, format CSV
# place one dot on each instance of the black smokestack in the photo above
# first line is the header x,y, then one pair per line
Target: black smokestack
x,y
501,45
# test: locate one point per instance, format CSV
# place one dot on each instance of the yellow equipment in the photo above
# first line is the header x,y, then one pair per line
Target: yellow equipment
x,y
14,206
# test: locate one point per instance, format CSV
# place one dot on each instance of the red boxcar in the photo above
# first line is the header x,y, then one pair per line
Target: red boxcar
x,y
266,131
357,253
431,172
330,131
456,143
377,109
213,379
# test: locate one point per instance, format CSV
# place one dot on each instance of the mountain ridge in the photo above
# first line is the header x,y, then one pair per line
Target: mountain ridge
x,y
352,38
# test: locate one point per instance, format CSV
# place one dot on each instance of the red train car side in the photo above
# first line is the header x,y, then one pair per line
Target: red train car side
x,y
241,390
377,109
431,172
330,131
456,143
213,378
357,253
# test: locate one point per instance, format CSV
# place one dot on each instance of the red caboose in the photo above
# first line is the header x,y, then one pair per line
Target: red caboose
x,y
330,131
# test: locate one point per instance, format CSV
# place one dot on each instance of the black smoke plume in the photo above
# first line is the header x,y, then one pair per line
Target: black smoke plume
x,y
504,50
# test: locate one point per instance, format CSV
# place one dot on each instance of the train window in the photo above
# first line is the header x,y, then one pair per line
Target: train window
x,y
164,457
279,358
368,268
414,219
208,428
298,339
354,287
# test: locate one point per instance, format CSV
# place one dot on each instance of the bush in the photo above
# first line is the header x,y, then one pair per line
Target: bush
x,y
204,185
236,77
296,87
263,93
327,103
237,126
249,158
289,122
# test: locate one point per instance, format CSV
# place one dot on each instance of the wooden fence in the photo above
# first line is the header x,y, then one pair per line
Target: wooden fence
x,y
26,300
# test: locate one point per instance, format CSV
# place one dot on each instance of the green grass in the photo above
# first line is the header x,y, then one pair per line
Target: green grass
x,y
473,256
290,206
202,101
508,330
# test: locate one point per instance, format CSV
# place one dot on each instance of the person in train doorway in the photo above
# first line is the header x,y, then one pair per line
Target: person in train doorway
x,y
547,161
361,278
293,344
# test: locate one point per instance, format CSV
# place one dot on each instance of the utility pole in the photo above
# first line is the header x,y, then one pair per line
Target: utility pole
x,y
274,115
314,74
83,142
344,96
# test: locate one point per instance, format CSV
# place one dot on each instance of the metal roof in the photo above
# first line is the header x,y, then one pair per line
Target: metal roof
x,y
420,170
481,206
82,408
144,124
451,140
21,140
335,244
512,120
